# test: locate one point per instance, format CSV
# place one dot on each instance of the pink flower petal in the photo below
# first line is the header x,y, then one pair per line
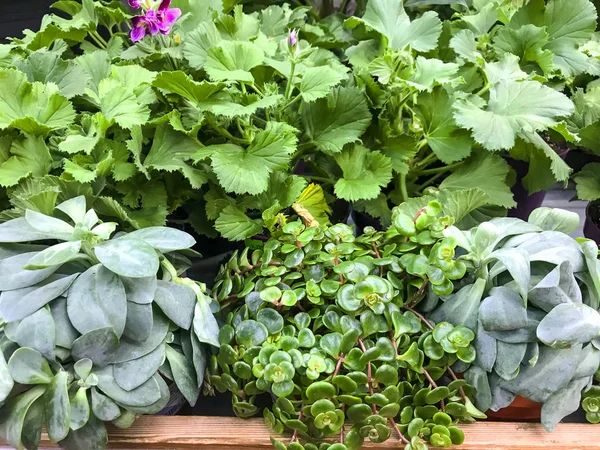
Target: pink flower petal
x,y
164,5
172,15
138,33
153,27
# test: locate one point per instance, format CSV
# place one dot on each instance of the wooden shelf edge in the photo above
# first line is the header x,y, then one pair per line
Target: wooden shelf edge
x,y
226,433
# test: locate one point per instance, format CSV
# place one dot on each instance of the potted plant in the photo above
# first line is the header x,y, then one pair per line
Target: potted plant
x,y
114,323
324,322
531,294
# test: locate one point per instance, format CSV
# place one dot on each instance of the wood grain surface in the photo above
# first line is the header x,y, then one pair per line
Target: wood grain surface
x,y
220,433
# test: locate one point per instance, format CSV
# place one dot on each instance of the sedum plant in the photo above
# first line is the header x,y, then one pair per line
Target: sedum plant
x,y
323,321
94,328
531,294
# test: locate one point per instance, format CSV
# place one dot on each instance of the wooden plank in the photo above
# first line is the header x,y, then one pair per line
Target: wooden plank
x,y
224,433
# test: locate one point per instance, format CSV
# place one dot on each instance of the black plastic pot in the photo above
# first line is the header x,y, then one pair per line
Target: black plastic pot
x,y
591,228
526,202
362,220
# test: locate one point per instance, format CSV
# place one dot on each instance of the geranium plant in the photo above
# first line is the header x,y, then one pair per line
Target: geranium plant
x,y
324,321
531,294
95,326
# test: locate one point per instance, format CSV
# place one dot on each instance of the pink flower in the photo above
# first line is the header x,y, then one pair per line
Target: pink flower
x,y
135,4
293,38
153,22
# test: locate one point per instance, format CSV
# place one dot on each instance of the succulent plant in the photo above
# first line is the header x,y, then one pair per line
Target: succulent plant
x,y
591,404
532,294
94,327
323,321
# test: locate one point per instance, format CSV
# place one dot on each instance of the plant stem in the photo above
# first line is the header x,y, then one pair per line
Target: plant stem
x,y
410,303
290,82
400,435
226,134
484,89
461,390
420,316
338,365
294,100
100,38
322,179
430,181
295,435
343,6
369,375
441,169
403,190
98,43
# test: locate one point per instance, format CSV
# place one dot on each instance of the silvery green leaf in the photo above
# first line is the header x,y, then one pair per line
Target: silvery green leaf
x,y
125,420
508,359
563,403
205,324
501,398
13,412
92,436
461,237
65,331
58,407
128,257
145,394
103,407
140,290
532,354
36,331
138,324
158,405
521,335
129,349
177,302
105,230
559,286
484,237
90,219
517,263
20,303
503,310
54,256
49,225
163,239
83,368
199,357
13,276
75,208
555,219
511,226
554,369
590,251
28,366
19,230
99,345
6,380
184,374
555,247
96,300
33,424
132,374
462,307
486,349
569,324
478,378
589,361
80,409
8,250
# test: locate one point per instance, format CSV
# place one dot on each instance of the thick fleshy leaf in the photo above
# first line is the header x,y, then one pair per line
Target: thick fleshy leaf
x,y
28,366
138,324
20,303
486,349
569,324
75,208
206,327
49,225
508,359
58,407
93,435
163,239
13,412
6,380
65,331
184,374
128,257
559,286
563,403
144,395
517,263
19,230
461,308
103,407
97,345
36,331
80,409
132,374
555,219
96,300
140,290
54,256
177,302
129,349
13,276
503,310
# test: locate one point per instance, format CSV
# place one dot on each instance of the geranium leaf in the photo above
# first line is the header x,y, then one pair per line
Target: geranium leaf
x,y
514,107
181,84
588,182
484,171
199,42
25,156
465,46
337,120
460,203
527,43
121,104
389,18
364,173
448,142
317,82
507,69
430,72
235,225
33,108
233,60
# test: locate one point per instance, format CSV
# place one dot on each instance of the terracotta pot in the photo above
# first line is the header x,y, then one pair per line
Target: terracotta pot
x,y
591,228
520,409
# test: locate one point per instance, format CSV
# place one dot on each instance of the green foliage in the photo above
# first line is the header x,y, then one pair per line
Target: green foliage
x,y
112,320
531,296
324,321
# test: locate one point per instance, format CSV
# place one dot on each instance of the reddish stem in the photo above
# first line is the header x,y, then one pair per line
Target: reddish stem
x,y
434,385
295,435
369,375
418,294
338,365
400,435
460,389
336,262
420,316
